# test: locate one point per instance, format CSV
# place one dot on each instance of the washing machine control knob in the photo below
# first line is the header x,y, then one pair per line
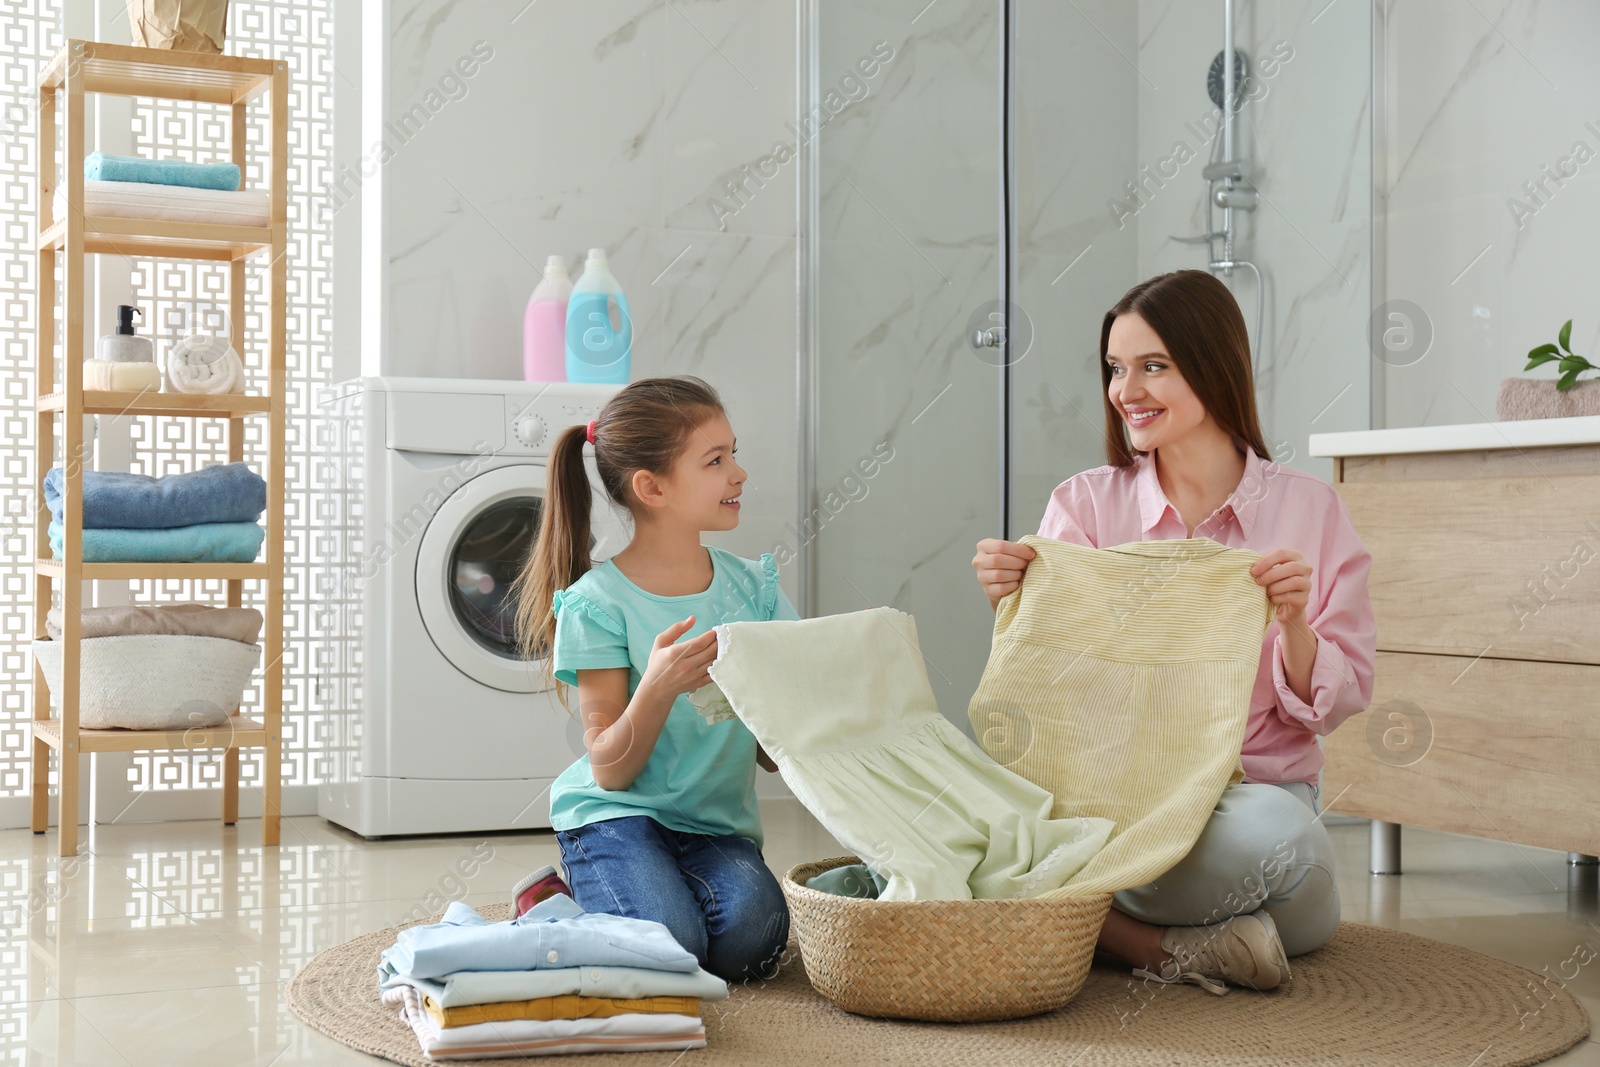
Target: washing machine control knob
x,y
529,430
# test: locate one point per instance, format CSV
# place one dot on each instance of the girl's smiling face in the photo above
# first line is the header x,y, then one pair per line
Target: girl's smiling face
x,y
706,480
1146,388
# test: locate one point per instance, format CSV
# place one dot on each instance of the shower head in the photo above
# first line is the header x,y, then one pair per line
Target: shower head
x,y
1241,79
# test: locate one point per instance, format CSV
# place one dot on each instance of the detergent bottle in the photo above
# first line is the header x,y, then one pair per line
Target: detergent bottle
x,y
597,350
544,326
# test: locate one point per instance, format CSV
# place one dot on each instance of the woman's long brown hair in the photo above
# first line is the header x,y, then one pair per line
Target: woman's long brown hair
x,y
645,427
1199,321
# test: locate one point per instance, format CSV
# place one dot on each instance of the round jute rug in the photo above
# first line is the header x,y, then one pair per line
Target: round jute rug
x,y
1370,997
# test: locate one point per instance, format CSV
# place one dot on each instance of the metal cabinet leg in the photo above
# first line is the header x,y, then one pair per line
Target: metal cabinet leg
x,y
1581,859
1385,847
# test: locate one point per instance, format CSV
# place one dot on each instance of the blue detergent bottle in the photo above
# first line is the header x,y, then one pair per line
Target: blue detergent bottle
x,y
597,350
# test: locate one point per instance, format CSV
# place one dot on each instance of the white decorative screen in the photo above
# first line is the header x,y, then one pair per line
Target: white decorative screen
x,y
31,32
186,296
179,297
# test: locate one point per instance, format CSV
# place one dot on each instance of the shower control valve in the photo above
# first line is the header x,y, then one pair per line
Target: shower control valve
x,y
1235,196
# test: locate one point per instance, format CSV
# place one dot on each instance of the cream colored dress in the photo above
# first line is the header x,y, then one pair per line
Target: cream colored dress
x,y
843,705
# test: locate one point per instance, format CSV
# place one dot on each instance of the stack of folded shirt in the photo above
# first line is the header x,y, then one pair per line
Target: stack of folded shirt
x,y
556,980
168,189
204,516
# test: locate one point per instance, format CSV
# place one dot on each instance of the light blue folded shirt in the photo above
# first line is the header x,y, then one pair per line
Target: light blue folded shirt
x,y
496,987
553,933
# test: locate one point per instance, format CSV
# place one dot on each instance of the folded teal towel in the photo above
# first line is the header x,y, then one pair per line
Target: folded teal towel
x,y
121,500
101,166
206,542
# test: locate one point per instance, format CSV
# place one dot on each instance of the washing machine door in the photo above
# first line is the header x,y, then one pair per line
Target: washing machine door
x,y
469,556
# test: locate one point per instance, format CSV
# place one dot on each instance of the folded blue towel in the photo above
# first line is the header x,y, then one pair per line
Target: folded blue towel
x,y
210,542
104,167
227,492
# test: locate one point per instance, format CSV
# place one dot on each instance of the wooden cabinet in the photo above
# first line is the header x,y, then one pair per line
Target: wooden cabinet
x,y
1485,581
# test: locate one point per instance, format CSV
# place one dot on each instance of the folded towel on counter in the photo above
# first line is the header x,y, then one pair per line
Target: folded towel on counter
x,y
220,493
553,933
465,988
529,1037
103,166
546,1008
203,363
194,620
208,542
168,203
103,374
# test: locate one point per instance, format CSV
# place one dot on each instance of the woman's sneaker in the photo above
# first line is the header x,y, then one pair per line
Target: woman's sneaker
x,y
540,885
1244,951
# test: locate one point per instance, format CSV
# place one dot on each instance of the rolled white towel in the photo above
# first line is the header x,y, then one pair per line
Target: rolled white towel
x,y
203,363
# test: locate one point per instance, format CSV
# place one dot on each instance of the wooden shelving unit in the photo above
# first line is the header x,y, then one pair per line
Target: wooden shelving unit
x,y
79,69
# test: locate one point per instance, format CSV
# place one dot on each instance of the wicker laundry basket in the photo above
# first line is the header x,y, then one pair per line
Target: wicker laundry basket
x,y
153,681
942,960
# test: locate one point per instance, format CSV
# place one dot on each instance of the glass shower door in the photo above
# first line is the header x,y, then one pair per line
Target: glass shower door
x,y
902,229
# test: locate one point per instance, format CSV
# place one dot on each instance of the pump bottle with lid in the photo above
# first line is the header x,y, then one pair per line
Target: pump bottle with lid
x,y
125,346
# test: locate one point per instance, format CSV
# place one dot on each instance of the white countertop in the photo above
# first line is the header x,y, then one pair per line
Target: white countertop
x,y
1470,437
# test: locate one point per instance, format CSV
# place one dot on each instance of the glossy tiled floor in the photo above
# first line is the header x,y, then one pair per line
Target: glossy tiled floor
x,y
171,943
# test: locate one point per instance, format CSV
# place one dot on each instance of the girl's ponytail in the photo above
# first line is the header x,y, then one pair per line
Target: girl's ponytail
x,y
560,555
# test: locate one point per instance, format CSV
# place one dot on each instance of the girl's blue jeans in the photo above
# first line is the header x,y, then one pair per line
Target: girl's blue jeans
x,y
715,894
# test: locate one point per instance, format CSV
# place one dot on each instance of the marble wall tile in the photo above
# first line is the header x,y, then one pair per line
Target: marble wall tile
x,y
605,124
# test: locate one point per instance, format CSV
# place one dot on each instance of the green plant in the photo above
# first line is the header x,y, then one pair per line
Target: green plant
x,y
1571,365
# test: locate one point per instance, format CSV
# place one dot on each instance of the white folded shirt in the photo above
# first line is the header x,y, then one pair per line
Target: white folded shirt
x,y
635,1032
168,203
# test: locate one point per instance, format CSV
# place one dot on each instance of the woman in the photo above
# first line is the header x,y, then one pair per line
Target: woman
x,y
1187,460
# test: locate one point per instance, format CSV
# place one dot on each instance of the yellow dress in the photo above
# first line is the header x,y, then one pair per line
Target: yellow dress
x,y
1119,680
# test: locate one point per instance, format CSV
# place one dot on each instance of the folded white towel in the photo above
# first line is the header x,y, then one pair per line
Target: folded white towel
x,y
168,203
121,377
203,363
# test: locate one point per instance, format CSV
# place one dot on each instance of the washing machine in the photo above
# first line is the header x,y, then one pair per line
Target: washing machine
x,y
427,502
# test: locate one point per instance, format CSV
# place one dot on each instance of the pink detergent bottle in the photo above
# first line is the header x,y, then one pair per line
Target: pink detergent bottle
x,y
544,326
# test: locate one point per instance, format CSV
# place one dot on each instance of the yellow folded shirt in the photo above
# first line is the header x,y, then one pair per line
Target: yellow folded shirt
x,y
544,1009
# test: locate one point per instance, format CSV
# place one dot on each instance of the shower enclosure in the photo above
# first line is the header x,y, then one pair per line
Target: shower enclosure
x,y
980,181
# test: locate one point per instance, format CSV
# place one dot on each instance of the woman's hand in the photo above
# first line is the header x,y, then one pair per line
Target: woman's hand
x,y
679,668
1000,565
1286,576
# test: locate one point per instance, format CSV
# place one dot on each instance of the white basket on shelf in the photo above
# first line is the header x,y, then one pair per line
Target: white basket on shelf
x,y
153,681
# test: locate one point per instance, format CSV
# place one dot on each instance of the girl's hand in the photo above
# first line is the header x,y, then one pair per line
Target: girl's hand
x,y
1000,565
680,668
1286,576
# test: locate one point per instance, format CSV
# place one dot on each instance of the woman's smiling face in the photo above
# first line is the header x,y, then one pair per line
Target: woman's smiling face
x,y
1146,388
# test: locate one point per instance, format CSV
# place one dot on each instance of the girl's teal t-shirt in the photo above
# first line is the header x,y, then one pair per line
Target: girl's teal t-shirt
x,y
700,778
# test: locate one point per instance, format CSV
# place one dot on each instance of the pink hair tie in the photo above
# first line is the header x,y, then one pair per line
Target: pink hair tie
x,y
590,432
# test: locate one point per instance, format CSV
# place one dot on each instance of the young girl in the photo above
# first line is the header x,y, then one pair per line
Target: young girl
x,y
658,821
1187,459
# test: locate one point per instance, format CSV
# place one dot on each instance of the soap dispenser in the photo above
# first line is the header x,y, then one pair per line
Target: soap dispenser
x,y
125,346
